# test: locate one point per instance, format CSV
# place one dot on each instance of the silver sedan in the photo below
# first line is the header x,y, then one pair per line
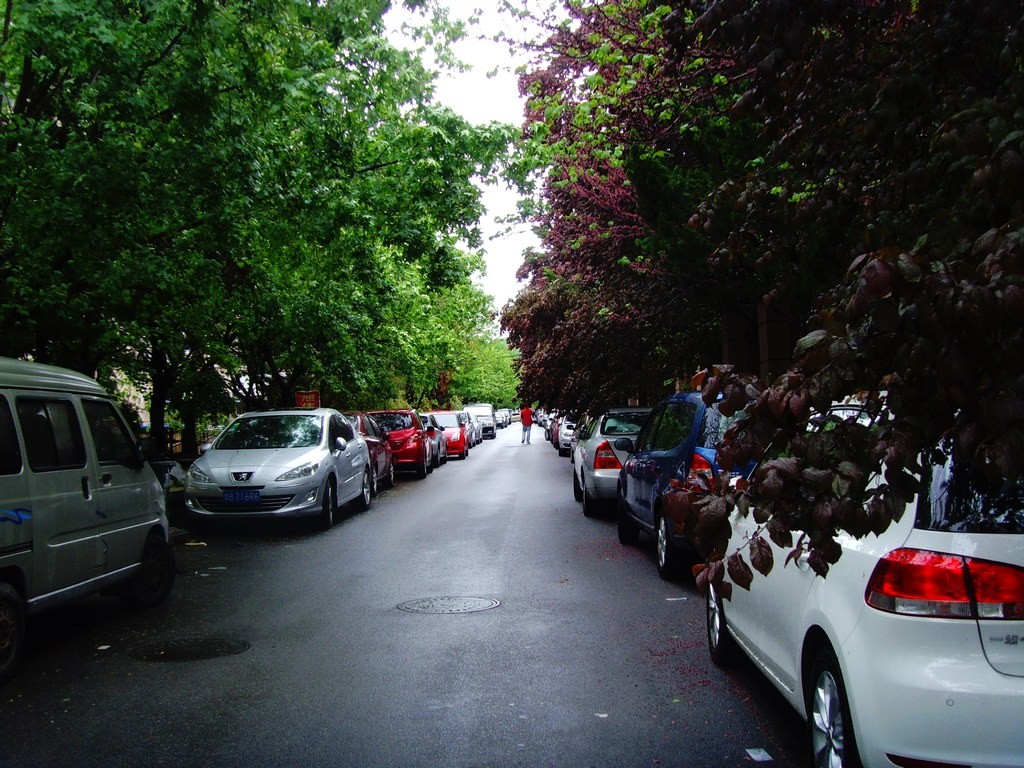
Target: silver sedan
x,y
293,463
595,459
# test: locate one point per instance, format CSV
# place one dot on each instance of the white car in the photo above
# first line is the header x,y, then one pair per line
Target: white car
x,y
291,463
911,651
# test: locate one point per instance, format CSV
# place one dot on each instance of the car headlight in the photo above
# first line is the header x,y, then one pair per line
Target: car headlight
x,y
197,475
306,470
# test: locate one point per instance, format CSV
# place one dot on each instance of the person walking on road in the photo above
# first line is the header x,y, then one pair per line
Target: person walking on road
x,y
526,417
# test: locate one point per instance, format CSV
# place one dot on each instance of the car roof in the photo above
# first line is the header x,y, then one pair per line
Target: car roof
x,y
290,412
23,374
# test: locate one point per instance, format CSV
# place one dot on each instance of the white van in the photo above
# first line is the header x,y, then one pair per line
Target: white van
x,y
80,510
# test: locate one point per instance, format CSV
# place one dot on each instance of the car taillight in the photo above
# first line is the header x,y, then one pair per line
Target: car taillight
x,y
605,458
916,582
701,474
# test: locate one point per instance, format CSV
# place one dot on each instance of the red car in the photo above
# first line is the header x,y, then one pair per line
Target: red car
x,y
456,431
382,460
411,444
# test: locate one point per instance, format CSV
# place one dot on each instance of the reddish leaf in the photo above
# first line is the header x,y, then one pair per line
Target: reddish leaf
x,y
739,571
761,557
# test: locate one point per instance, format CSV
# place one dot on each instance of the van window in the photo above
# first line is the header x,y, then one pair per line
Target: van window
x,y
10,453
114,444
53,436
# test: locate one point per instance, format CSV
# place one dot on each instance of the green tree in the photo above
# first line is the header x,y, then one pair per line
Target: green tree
x,y
228,202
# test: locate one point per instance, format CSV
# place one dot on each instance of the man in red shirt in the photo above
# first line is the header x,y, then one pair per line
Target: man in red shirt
x,y
526,417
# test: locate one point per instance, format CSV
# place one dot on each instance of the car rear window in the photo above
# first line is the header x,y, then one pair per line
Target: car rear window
x,y
623,423
393,421
278,431
956,500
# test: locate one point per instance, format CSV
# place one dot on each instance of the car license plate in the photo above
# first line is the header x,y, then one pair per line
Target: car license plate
x,y
242,497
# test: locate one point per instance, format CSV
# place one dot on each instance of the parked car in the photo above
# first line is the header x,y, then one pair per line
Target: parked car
x,y
678,437
566,428
382,459
456,428
503,416
596,461
80,510
439,443
485,413
910,652
474,429
411,444
288,463
553,431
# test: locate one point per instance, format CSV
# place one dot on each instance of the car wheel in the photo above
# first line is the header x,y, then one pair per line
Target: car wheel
x,y
362,501
721,646
577,490
389,478
435,461
423,469
830,736
12,631
374,490
155,577
629,531
329,506
667,558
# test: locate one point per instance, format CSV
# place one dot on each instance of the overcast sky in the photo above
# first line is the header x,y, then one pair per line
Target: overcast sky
x,y
481,99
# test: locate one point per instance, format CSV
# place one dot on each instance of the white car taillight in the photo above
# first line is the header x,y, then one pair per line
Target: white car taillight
x,y
916,582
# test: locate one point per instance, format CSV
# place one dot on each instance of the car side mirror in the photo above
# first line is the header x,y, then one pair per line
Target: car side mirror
x,y
340,444
431,431
624,444
385,434
204,448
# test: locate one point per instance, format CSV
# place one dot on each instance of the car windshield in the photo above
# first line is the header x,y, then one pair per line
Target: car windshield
x,y
447,419
393,421
955,499
623,423
271,431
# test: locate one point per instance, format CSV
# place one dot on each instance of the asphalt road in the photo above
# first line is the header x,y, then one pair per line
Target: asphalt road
x,y
575,652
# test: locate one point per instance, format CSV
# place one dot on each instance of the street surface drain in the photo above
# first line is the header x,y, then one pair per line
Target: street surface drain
x,y
192,649
448,605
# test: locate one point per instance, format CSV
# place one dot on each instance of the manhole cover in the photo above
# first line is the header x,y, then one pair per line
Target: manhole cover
x,y
448,605
190,649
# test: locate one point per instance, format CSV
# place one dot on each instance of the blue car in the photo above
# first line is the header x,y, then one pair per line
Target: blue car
x,y
670,456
